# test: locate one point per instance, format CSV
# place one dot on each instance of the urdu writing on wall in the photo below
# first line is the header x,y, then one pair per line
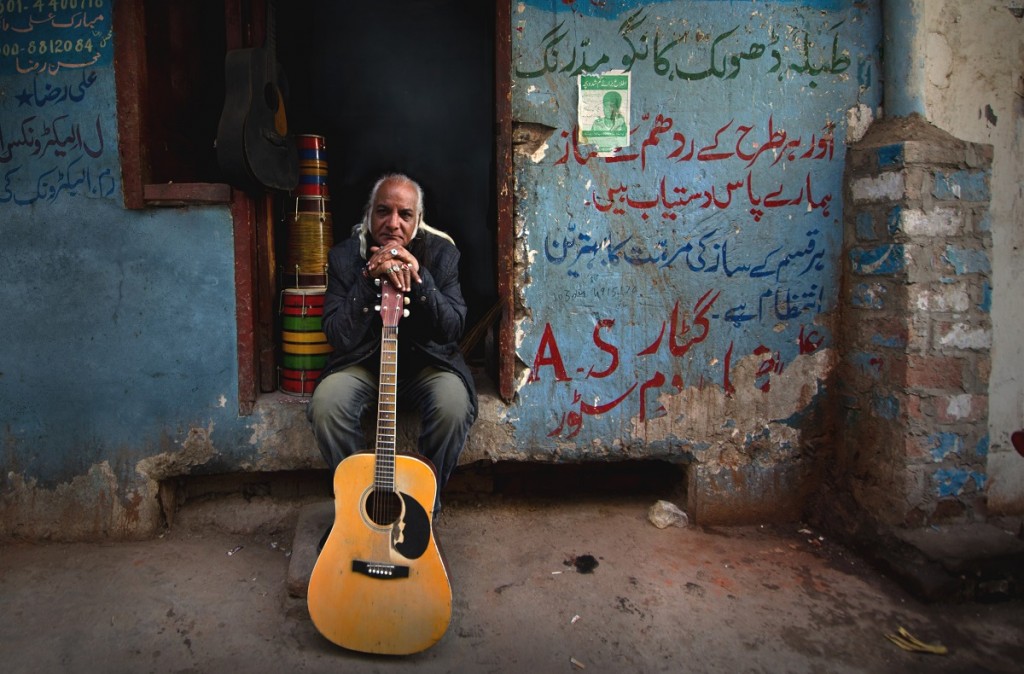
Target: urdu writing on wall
x,y
704,254
58,135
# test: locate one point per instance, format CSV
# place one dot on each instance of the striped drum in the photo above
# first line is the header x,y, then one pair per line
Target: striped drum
x,y
304,346
312,166
312,151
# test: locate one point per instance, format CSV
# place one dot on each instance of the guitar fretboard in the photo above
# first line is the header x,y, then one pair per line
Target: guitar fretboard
x,y
384,471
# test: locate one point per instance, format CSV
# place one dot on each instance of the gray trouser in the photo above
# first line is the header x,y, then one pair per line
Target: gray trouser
x,y
339,402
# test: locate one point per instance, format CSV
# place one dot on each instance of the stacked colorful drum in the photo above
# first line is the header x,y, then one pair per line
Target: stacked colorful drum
x,y
304,345
310,236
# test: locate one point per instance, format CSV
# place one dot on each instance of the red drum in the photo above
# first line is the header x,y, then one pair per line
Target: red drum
x,y
297,382
304,346
312,152
303,302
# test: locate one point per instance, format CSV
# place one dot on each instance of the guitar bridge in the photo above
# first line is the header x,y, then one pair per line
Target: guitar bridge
x,y
380,570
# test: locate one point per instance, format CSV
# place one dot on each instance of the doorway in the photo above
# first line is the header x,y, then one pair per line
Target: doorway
x,y
406,86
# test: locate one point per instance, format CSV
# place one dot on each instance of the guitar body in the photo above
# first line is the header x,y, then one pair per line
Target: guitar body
x,y
381,587
254,148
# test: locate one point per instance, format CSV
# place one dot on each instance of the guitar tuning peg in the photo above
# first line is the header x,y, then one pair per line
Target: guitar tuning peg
x,y
405,313
376,307
407,300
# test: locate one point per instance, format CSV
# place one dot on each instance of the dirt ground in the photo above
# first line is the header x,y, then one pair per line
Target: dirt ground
x,y
754,599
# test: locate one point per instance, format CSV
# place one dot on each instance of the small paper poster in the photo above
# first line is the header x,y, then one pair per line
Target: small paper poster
x,y
603,116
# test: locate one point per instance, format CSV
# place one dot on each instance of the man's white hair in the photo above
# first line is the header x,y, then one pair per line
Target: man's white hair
x,y
362,230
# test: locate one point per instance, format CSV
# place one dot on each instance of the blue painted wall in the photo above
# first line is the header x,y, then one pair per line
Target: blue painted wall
x,y
119,325
679,291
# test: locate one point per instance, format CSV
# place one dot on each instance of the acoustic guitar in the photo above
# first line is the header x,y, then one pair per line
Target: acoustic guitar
x,y
380,584
254,148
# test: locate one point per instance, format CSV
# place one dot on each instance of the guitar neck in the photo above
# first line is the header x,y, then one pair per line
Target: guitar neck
x,y
387,405
270,42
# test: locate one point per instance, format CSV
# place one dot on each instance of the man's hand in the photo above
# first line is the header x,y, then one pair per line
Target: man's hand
x,y
396,264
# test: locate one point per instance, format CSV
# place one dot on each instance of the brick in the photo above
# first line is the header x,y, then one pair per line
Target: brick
x,y
919,408
963,336
985,305
961,408
889,156
967,260
892,220
866,226
868,296
885,260
931,152
942,299
884,187
962,185
941,373
887,330
983,221
938,222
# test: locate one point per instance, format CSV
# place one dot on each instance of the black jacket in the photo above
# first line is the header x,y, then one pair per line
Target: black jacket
x,y
437,310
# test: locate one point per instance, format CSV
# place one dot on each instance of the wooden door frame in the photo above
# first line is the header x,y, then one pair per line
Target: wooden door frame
x,y
504,196
252,215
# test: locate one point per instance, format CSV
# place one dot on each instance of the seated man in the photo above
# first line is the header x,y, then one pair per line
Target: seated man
x,y
393,242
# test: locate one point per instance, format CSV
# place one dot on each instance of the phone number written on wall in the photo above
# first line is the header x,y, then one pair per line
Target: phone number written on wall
x,y
47,36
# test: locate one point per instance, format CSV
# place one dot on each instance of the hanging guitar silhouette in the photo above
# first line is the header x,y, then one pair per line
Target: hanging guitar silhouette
x,y
254,149
380,584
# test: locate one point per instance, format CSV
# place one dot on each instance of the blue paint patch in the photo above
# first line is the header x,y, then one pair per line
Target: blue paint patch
x,y
962,185
944,444
865,227
878,261
885,407
889,341
986,298
889,156
985,223
968,260
867,296
979,479
868,363
981,449
950,482
893,221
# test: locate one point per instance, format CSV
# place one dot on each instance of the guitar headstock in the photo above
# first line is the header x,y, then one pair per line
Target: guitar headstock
x,y
392,304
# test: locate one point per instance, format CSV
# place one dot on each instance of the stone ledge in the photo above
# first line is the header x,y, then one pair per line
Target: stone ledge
x,y
286,441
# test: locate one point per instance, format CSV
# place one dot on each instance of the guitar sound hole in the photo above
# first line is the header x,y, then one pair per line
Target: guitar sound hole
x,y
383,507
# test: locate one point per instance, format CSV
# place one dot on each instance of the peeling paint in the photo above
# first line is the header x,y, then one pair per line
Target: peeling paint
x,y
90,506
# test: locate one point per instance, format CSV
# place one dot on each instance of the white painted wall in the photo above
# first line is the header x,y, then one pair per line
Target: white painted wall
x,y
975,90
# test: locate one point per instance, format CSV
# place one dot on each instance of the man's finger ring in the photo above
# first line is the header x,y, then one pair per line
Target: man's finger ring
x,y
394,252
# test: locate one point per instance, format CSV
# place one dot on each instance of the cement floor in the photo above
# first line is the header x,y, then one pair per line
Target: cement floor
x,y
201,598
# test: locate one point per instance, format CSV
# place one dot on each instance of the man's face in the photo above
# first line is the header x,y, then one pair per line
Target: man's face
x,y
394,218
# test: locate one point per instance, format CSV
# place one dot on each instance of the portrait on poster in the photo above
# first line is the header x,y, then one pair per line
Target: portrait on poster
x,y
603,116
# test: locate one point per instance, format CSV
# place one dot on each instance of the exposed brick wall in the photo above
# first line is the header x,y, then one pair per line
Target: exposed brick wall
x,y
916,331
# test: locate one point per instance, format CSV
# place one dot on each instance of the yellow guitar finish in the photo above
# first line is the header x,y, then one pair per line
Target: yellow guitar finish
x,y
374,615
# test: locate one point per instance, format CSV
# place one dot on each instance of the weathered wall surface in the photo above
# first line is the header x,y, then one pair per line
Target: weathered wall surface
x,y
678,294
119,363
677,297
975,88
916,322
